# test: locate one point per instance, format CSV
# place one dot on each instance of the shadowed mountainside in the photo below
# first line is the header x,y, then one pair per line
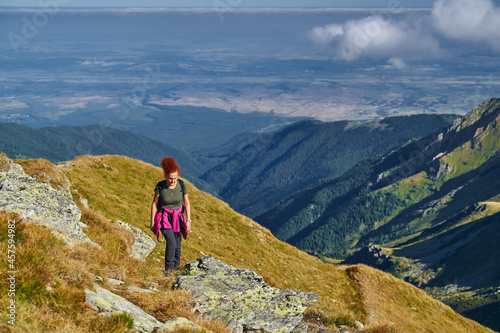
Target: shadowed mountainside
x,y
275,165
432,204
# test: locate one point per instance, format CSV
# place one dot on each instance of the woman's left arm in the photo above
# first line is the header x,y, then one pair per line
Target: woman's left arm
x,y
187,207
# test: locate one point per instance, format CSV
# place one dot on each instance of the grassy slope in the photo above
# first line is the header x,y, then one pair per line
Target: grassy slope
x,y
121,188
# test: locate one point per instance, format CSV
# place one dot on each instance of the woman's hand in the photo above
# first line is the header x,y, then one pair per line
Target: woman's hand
x,y
154,209
188,226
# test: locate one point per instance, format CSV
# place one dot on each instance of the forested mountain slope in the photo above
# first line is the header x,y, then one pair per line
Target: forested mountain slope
x,y
278,164
432,204
62,143
372,201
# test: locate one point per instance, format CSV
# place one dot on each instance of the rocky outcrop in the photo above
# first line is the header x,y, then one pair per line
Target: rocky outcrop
x,y
39,203
241,298
143,244
106,303
439,170
371,255
482,114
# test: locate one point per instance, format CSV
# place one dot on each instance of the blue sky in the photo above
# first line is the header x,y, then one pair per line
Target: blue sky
x,y
223,3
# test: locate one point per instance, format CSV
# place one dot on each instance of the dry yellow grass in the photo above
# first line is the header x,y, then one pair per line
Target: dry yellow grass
x,y
51,278
493,207
121,188
390,302
4,162
50,283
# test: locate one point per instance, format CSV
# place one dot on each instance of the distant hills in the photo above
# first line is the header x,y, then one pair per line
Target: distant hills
x,y
277,164
63,143
433,205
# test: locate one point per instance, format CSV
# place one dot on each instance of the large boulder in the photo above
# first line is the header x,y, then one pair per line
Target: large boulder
x,y
39,203
106,302
143,243
241,298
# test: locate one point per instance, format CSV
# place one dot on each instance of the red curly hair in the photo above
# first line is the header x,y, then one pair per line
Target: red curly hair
x,y
169,166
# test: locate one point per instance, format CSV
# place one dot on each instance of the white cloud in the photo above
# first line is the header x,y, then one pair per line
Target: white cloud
x,y
414,36
375,36
397,63
103,63
324,35
468,20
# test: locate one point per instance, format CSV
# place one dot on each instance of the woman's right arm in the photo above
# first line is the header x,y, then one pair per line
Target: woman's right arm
x,y
154,208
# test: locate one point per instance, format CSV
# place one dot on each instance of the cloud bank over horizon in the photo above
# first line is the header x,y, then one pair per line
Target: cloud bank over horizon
x,y
388,35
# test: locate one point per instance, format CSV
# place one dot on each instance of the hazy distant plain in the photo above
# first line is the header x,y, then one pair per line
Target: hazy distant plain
x,y
117,67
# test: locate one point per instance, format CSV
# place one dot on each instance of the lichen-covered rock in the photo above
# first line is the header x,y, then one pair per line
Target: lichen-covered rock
x,y
39,203
143,244
241,298
106,302
173,326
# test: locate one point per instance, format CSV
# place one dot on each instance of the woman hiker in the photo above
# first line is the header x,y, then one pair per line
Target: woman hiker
x,y
167,213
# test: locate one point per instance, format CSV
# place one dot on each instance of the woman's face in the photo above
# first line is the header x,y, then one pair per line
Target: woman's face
x,y
172,179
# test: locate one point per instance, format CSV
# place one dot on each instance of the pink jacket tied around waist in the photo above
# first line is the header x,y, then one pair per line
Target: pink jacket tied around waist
x,y
163,218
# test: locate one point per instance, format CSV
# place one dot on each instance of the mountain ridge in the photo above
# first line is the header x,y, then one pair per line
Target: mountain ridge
x,y
62,143
439,191
269,161
398,179
280,163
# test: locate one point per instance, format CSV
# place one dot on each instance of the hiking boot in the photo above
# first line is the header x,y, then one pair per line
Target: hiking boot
x,y
167,272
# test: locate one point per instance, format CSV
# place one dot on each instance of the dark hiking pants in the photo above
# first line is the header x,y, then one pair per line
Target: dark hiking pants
x,y
173,248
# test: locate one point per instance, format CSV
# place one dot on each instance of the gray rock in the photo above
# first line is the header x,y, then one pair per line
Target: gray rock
x,y
359,325
143,244
3,176
241,298
39,203
106,302
65,188
115,282
85,203
151,287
